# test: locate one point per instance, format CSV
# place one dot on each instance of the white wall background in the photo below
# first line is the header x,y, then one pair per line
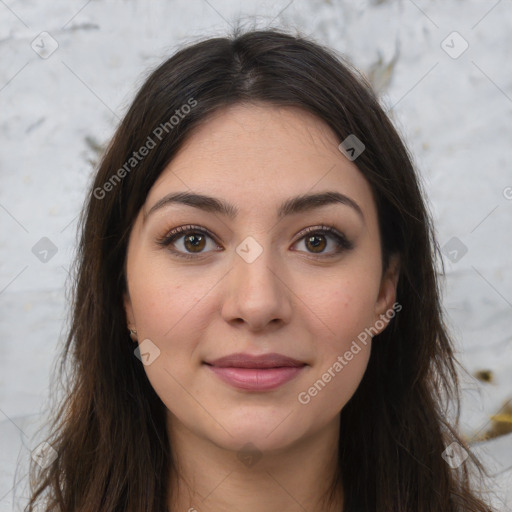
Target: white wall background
x,y
451,103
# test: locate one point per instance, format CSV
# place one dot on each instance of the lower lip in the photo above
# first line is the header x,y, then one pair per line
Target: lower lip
x,y
257,379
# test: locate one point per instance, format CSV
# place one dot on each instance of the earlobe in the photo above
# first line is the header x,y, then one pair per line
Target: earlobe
x,y
130,320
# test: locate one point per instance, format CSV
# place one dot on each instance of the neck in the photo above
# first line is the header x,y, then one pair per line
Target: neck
x,y
208,478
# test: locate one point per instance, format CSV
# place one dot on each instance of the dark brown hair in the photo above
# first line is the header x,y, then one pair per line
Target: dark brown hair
x,y
110,433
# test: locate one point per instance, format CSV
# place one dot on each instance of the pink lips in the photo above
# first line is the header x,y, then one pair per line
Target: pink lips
x,y
256,373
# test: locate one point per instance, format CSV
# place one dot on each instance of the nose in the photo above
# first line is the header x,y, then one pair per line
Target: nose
x,y
257,294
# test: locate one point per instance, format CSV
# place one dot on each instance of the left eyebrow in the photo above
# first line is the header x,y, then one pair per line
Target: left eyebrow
x,y
293,205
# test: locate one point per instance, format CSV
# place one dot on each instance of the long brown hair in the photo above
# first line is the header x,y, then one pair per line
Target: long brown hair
x,y
109,432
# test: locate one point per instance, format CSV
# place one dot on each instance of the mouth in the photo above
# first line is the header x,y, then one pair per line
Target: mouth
x,y
256,373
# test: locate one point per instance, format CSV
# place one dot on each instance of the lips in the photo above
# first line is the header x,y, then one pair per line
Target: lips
x,y
261,361
256,373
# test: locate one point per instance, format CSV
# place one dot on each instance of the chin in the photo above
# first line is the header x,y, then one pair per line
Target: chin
x,y
265,435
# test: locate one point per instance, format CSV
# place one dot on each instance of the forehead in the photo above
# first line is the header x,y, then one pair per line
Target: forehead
x,y
256,155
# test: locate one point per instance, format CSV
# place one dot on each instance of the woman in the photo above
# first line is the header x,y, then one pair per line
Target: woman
x,y
257,322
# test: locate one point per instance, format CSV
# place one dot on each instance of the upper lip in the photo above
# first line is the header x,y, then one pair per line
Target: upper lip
x,y
241,360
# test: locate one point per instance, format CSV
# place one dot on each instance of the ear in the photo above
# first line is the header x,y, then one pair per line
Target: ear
x,y
387,292
128,308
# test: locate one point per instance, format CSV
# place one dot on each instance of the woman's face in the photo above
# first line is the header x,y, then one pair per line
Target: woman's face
x,y
247,280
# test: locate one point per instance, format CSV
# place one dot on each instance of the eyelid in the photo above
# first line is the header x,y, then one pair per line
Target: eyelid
x,y
325,228
183,230
343,244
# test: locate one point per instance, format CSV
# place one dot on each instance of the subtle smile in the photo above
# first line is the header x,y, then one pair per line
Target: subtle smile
x,y
256,373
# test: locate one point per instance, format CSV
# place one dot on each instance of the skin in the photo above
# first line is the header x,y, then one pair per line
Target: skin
x,y
289,300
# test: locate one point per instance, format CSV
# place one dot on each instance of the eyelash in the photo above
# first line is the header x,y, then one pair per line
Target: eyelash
x,y
342,243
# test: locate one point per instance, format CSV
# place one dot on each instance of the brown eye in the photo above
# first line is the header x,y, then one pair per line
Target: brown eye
x,y
187,241
191,241
316,243
317,239
194,242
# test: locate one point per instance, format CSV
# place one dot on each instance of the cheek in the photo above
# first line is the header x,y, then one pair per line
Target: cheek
x,y
165,300
167,307
342,352
337,381
345,306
